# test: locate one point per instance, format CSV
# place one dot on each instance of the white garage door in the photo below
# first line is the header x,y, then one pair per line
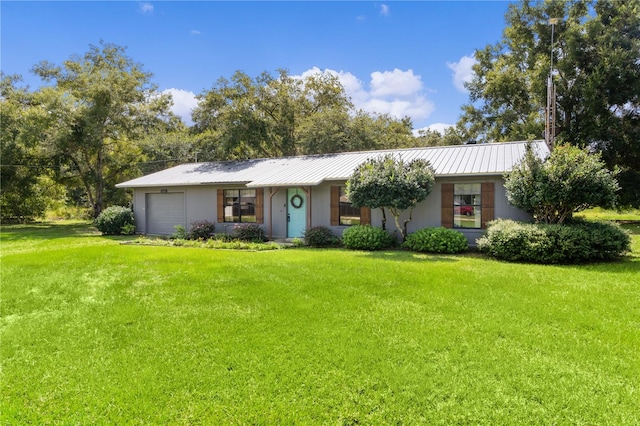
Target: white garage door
x,y
164,212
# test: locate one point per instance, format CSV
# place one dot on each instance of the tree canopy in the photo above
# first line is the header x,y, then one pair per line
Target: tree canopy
x,y
25,178
98,120
596,73
569,181
272,116
391,183
99,105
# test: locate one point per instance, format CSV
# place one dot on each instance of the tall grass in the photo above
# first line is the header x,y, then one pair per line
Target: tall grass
x,y
95,332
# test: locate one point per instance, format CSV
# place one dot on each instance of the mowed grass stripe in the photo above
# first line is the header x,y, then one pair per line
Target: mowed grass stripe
x,y
97,332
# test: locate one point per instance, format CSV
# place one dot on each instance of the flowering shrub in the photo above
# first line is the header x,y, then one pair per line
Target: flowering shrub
x,y
320,236
249,232
202,229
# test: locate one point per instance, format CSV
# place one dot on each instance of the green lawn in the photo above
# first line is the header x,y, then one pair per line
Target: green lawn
x,y
96,332
603,214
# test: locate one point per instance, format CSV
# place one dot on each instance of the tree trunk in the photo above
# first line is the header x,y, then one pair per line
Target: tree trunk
x,y
405,233
396,217
97,207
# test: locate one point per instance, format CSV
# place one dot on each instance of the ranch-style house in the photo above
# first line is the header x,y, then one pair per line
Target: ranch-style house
x,y
288,195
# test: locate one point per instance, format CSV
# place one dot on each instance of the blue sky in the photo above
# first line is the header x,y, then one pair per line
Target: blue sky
x,y
401,58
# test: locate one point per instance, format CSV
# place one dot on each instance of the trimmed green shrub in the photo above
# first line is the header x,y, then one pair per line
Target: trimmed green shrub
x,y
115,220
576,242
201,229
365,237
249,232
320,236
569,181
181,233
607,239
436,240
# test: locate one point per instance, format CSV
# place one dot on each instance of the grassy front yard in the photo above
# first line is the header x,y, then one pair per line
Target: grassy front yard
x,y
95,332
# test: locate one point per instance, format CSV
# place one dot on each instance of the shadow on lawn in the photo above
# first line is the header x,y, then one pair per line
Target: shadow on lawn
x,y
628,266
409,256
47,231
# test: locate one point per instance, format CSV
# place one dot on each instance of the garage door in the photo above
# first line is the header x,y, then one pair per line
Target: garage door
x,y
164,212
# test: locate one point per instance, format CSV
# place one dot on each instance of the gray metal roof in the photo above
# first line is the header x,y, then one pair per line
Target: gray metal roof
x,y
457,160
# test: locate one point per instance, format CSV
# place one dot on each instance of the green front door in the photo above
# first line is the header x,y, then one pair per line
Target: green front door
x,y
296,212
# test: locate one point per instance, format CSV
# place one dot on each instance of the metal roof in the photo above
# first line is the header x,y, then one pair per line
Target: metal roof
x,y
457,160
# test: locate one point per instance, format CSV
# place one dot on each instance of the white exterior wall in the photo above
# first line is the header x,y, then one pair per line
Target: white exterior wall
x,y
279,211
201,204
426,214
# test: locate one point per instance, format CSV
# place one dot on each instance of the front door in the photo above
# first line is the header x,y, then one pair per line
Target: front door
x,y
296,212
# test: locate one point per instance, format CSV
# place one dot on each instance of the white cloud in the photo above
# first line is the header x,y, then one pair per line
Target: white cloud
x,y
352,85
462,71
439,127
396,82
384,10
195,32
435,127
397,93
146,7
183,103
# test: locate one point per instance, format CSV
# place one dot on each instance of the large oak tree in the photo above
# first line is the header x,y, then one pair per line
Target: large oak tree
x,y
25,179
100,104
596,72
272,116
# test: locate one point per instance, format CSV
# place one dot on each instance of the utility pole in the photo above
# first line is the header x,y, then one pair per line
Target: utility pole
x,y
550,112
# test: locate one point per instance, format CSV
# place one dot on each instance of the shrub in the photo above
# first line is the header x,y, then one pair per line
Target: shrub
x,y
365,237
392,183
575,242
569,181
115,220
436,240
181,233
128,229
320,236
607,240
202,229
249,232
515,241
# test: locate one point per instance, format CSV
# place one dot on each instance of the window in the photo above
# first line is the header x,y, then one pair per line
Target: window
x,y
342,211
467,205
240,205
349,215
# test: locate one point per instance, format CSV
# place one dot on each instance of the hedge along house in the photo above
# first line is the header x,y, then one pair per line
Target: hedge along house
x,y
288,195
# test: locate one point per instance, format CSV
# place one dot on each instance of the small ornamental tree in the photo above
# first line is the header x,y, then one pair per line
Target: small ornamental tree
x,y
390,183
569,181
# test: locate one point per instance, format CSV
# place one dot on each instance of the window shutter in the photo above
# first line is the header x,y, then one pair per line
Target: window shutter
x,y
259,205
365,216
446,208
220,205
488,201
335,205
